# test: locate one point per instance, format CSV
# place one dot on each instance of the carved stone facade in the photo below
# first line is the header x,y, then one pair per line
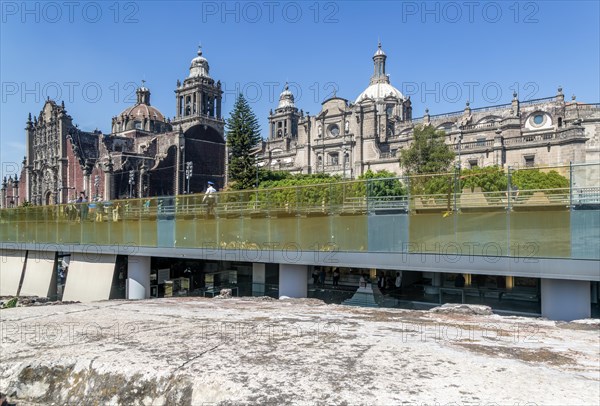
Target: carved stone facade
x,y
348,138
145,154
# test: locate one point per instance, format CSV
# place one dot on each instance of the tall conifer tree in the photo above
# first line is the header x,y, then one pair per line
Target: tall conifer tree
x,y
243,135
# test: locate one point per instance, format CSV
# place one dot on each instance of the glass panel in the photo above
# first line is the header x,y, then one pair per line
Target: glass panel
x,y
585,234
540,234
349,232
474,212
388,233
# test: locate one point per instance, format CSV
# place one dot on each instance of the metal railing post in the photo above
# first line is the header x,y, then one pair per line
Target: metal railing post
x,y
509,187
455,187
571,185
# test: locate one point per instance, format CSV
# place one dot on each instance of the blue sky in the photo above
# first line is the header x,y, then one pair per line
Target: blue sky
x,y
92,54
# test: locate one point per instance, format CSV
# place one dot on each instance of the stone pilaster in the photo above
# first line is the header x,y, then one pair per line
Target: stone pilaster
x,y
108,179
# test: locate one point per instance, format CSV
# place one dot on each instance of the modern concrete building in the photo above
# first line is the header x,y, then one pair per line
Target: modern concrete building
x,y
534,252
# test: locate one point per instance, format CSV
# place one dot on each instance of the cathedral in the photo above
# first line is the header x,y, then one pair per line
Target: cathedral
x,y
348,138
145,154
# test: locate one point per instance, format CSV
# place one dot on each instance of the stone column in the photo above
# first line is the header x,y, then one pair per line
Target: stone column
x,y
108,180
3,195
178,161
87,172
358,142
15,186
140,181
498,147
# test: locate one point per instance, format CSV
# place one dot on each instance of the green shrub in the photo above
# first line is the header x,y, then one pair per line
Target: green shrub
x,y
11,303
489,179
379,184
289,190
534,179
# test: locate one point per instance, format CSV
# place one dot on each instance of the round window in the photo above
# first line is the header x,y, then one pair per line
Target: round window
x,y
334,130
538,119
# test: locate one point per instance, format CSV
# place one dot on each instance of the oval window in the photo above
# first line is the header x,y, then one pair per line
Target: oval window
x,y
334,130
538,119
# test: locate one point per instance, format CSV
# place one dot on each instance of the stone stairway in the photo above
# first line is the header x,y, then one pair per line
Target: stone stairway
x,y
363,297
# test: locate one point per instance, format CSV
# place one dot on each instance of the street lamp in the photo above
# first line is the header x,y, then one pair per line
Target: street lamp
x,y
131,182
189,168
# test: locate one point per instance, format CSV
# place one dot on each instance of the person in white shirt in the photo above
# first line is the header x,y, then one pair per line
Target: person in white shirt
x,y
398,282
209,197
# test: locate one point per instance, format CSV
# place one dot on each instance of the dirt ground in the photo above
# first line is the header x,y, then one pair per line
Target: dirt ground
x,y
198,351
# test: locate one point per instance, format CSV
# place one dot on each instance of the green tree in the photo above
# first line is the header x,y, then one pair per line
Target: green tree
x,y
243,134
427,154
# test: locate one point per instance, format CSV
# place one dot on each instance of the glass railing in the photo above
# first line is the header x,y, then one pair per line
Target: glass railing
x,y
540,212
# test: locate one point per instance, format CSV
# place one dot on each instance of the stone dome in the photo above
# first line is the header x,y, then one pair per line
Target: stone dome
x,y
141,116
142,107
199,66
379,91
286,98
139,111
379,86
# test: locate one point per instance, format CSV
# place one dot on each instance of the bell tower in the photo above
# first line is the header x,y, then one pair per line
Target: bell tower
x,y
198,99
284,122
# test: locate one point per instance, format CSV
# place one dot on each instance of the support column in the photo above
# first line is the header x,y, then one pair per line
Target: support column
x,y
258,279
293,280
138,277
142,178
565,299
178,162
108,180
12,265
15,186
436,281
3,195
